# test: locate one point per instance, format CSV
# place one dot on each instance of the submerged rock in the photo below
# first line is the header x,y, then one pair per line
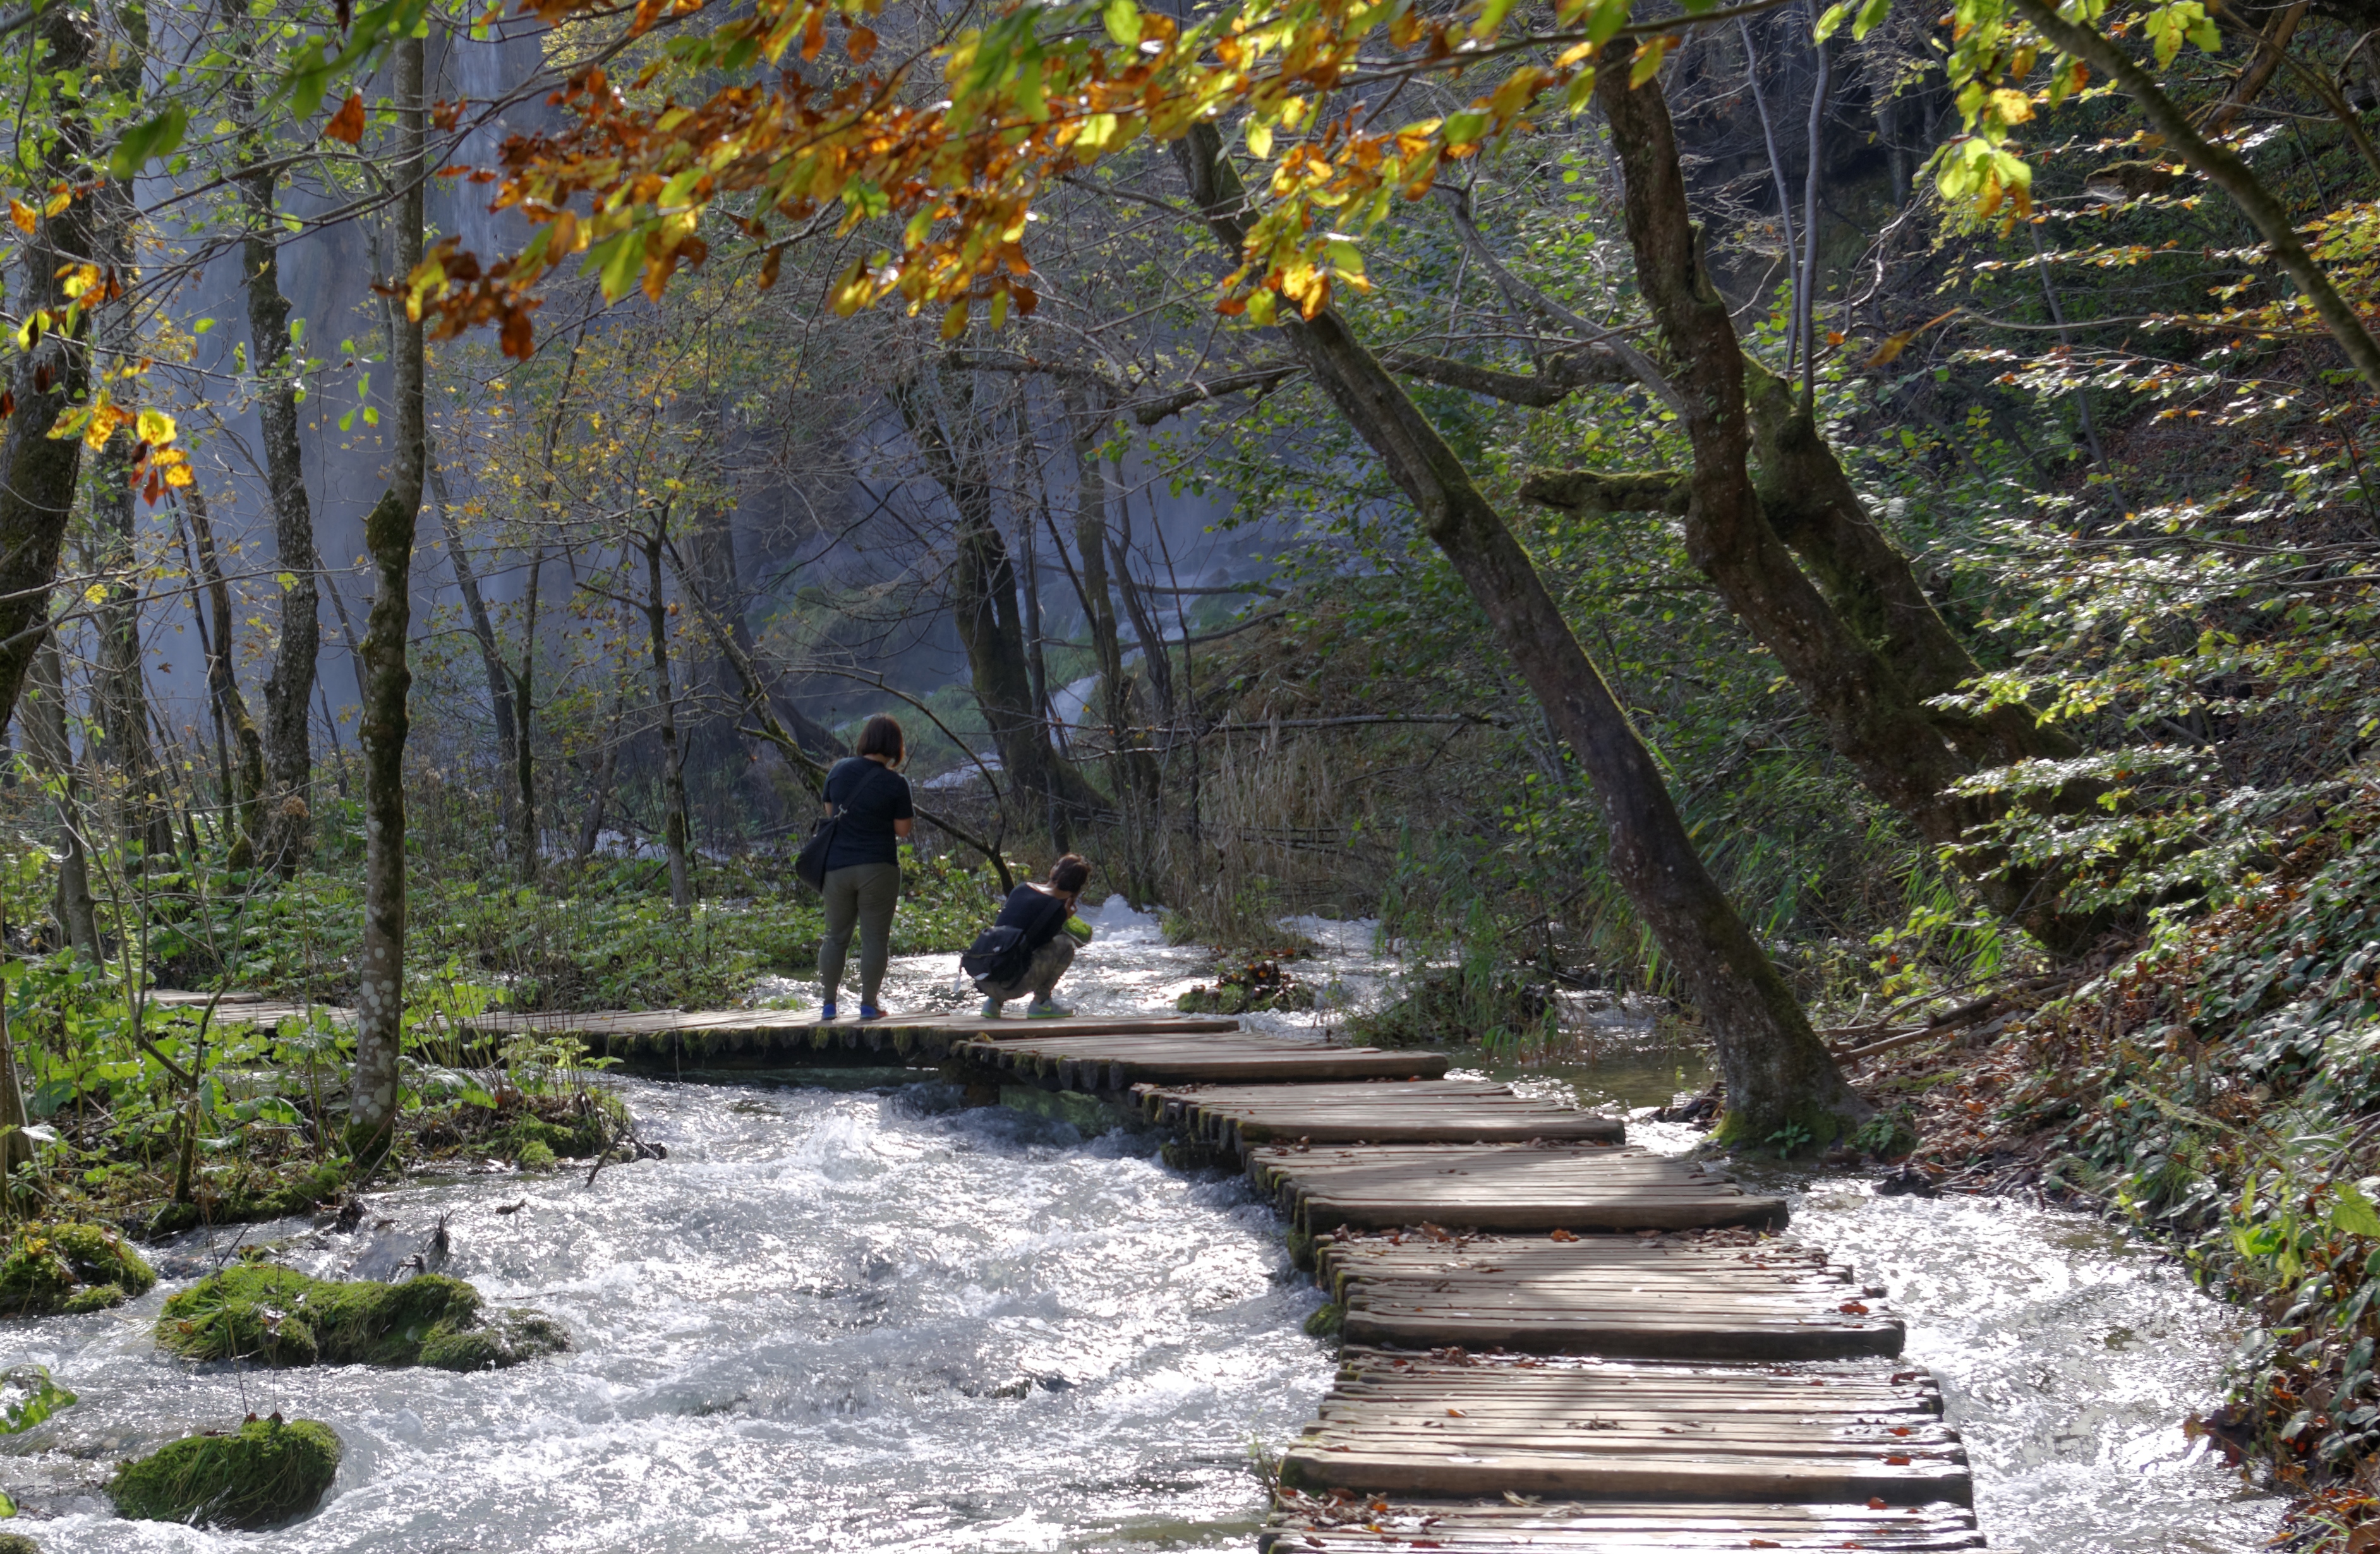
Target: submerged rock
x,y
17,1542
278,1317
55,1269
262,1474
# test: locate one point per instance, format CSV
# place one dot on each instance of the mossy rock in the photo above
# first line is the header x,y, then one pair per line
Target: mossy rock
x,y
17,1542
576,1140
534,1156
1325,1320
55,1269
278,1317
502,1339
262,1194
262,1474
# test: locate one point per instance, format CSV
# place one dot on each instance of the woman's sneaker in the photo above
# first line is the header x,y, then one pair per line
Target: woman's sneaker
x,y
826,1012
991,1008
1046,1009
869,1012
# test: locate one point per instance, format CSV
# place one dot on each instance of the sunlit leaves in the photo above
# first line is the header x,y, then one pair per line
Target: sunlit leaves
x,y
1034,94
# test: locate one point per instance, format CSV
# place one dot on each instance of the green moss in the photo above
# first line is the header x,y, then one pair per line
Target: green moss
x,y
17,1542
578,1139
1325,1320
55,1269
262,1474
503,1339
278,1317
534,1156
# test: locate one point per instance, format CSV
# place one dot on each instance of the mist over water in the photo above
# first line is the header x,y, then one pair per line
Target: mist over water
x,y
857,1317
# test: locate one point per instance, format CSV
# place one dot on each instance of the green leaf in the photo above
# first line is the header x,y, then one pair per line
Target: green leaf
x,y
141,144
2353,1213
1121,19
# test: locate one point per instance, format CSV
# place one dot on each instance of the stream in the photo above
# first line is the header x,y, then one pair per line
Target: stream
x,y
846,1314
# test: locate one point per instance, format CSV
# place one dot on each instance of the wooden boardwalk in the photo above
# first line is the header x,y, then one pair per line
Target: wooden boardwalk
x,y
1553,1341
1231,1117
1674,1298
1542,1186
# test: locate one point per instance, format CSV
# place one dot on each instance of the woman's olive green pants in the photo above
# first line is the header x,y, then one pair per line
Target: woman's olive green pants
x,y
861,895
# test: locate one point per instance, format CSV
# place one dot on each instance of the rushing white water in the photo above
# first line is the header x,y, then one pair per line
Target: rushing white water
x,y
857,1317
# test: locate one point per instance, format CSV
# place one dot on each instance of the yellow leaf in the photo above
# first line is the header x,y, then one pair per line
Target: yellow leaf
x,y
1259,138
2012,107
156,428
22,215
954,322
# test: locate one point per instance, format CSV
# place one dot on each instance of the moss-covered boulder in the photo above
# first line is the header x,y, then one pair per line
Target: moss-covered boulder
x,y
262,1474
17,1542
62,1270
274,1316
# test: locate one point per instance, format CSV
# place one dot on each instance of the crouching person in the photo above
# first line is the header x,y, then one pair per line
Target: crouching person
x,y
1031,943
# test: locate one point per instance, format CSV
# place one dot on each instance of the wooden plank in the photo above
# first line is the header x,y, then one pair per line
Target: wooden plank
x,y
1364,1525
1614,1296
1633,1430
1504,1187
1119,1062
1234,1116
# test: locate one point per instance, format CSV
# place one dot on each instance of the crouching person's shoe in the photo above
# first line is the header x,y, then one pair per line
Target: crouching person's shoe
x,y
1047,1009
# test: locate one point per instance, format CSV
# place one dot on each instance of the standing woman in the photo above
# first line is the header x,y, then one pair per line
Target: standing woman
x,y
863,867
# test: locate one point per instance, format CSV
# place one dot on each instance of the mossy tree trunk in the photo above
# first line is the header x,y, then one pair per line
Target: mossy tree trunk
x,y
1782,1084
388,538
1872,715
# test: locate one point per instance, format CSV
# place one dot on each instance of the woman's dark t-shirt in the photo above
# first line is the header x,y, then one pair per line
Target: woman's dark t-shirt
x,y
868,797
1035,911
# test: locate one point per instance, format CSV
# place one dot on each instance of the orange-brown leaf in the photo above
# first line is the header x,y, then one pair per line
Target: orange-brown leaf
x,y
346,125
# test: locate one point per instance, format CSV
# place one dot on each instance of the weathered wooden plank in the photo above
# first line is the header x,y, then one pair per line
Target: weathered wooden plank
x,y
1407,1110
1633,1430
1504,1187
1363,1525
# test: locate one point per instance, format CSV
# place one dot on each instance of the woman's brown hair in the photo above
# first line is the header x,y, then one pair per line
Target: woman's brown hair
x,y
1070,873
882,738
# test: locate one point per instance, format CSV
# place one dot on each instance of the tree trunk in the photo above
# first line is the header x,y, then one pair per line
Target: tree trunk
x,y
16,1149
289,687
1872,715
590,827
524,709
121,687
674,824
1132,771
222,683
500,690
37,471
388,538
53,753
1783,1088
984,604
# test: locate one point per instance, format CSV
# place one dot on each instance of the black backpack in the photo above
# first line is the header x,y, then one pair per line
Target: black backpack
x,y
998,956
